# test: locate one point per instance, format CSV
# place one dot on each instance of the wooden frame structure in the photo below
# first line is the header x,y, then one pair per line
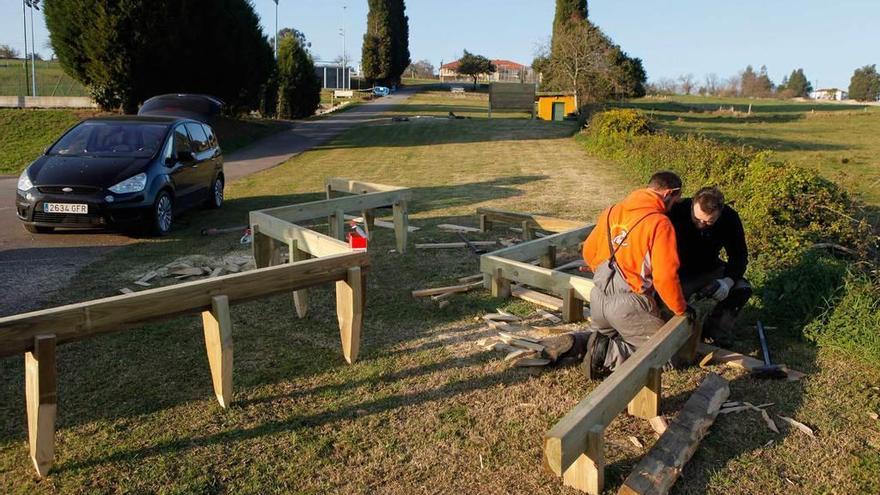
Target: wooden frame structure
x,y
38,333
574,446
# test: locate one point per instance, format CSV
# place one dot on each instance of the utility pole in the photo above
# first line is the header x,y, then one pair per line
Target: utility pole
x,y
33,54
276,30
27,83
344,60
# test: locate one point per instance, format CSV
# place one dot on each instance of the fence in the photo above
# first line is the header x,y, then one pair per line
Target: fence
x,y
51,79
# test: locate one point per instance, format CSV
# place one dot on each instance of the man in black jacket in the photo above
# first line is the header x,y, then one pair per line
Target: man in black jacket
x,y
703,226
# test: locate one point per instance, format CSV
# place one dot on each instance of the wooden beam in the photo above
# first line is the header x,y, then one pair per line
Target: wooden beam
x,y
357,186
660,468
550,224
401,225
350,312
262,247
546,279
300,297
572,307
740,361
453,245
527,234
541,299
443,290
324,208
82,320
587,472
500,285
42,402
337,225
535,249
646,404
566,441
308,240
485,223
218,342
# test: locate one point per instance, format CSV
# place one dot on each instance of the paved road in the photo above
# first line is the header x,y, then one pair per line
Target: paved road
x,y
32,266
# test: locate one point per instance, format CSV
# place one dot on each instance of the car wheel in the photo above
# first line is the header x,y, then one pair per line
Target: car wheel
x,y
36,229
215,200
163,214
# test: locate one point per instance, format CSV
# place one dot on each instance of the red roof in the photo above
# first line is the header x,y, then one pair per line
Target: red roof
x,y
498,63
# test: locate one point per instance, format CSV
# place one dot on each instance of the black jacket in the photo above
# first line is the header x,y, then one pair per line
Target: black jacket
x,y
699,250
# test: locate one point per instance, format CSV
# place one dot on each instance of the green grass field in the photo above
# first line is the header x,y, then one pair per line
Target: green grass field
x,y
841,141
51,80
423,409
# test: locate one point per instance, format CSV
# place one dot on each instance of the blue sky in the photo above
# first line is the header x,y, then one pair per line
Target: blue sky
x,y
828,39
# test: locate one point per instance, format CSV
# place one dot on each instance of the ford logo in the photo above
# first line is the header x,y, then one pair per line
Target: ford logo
x,y
67,189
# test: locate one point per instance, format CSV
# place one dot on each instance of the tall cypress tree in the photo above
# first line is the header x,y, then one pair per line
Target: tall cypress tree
x,y
568,10
385,52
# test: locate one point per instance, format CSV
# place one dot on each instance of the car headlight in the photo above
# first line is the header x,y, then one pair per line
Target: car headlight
x,y
24,182
133,184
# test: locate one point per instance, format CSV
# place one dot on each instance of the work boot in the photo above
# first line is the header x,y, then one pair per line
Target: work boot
x,y
593,363
720,324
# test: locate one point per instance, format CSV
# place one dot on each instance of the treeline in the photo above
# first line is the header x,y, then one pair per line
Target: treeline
x,y
864,85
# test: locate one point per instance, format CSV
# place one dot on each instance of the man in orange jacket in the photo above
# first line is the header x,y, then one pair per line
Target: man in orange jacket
x,y
633,256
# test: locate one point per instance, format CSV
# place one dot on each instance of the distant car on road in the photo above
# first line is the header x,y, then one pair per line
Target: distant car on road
x,y
126,170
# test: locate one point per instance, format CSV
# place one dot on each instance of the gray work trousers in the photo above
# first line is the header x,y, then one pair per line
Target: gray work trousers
x,y
627,318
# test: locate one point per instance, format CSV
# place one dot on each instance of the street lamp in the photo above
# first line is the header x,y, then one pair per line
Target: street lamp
x,y
344,61
276,29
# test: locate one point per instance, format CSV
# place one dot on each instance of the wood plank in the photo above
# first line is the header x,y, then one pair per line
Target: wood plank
x,y
552,281
261,247
350,312
587,472
326,207
741,361
550,224
539,298
660,468
382,223
452,245
217,324
646,404
566,441
443,290
500,285
485,223
41,396
308,240
401,225
82,320
548,259
300,297
572,307
341,184
457,228
530,250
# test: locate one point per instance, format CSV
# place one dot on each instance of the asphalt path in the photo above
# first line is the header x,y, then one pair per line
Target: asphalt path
x,y
33,266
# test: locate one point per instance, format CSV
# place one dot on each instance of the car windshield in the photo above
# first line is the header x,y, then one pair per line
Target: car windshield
x,y
136,139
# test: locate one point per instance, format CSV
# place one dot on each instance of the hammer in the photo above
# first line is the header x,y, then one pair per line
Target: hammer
x,y
768,371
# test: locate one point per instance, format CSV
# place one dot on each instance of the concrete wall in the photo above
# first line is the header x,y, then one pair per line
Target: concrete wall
x,y
47,102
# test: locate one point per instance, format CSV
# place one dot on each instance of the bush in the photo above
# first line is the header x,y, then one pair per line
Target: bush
x,y
615,122
299,90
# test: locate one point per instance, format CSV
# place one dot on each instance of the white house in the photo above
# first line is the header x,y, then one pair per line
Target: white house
x,y
829,94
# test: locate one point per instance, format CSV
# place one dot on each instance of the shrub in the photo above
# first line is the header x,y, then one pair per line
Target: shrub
x,y
299,90
626,121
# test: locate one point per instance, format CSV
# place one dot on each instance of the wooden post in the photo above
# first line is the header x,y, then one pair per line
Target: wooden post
x,y
548,259
217,324
369,222
300,297
485,223
572,307
262,247
688,353
500,285
329,190
42,402
587,473
350,296
527,233
337,225
401,225
646,404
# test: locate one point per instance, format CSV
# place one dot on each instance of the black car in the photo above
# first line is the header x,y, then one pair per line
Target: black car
x,y
122,171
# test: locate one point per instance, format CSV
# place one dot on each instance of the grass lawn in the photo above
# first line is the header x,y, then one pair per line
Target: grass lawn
x,y
423,409
25,133
51,79
841,141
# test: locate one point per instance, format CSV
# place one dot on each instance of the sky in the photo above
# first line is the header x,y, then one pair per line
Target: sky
x,y
673,37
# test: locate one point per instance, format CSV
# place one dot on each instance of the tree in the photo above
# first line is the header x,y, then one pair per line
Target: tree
x,y
755,84
474,66
795,85
580,58
567,11
385,50
299,35
126,51
423,69
299,90
7,51
712,84
865,84
686,82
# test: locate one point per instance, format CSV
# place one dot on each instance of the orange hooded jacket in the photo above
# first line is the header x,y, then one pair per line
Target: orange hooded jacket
x,y
648,258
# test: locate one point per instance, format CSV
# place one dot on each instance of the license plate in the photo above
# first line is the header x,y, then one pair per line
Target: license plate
x,y
80,209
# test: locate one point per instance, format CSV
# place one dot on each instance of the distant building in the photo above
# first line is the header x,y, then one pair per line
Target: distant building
x,y
505,70
333,75
829,94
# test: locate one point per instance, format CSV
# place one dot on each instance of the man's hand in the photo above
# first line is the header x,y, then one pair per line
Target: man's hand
x,y
691,313
724,286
